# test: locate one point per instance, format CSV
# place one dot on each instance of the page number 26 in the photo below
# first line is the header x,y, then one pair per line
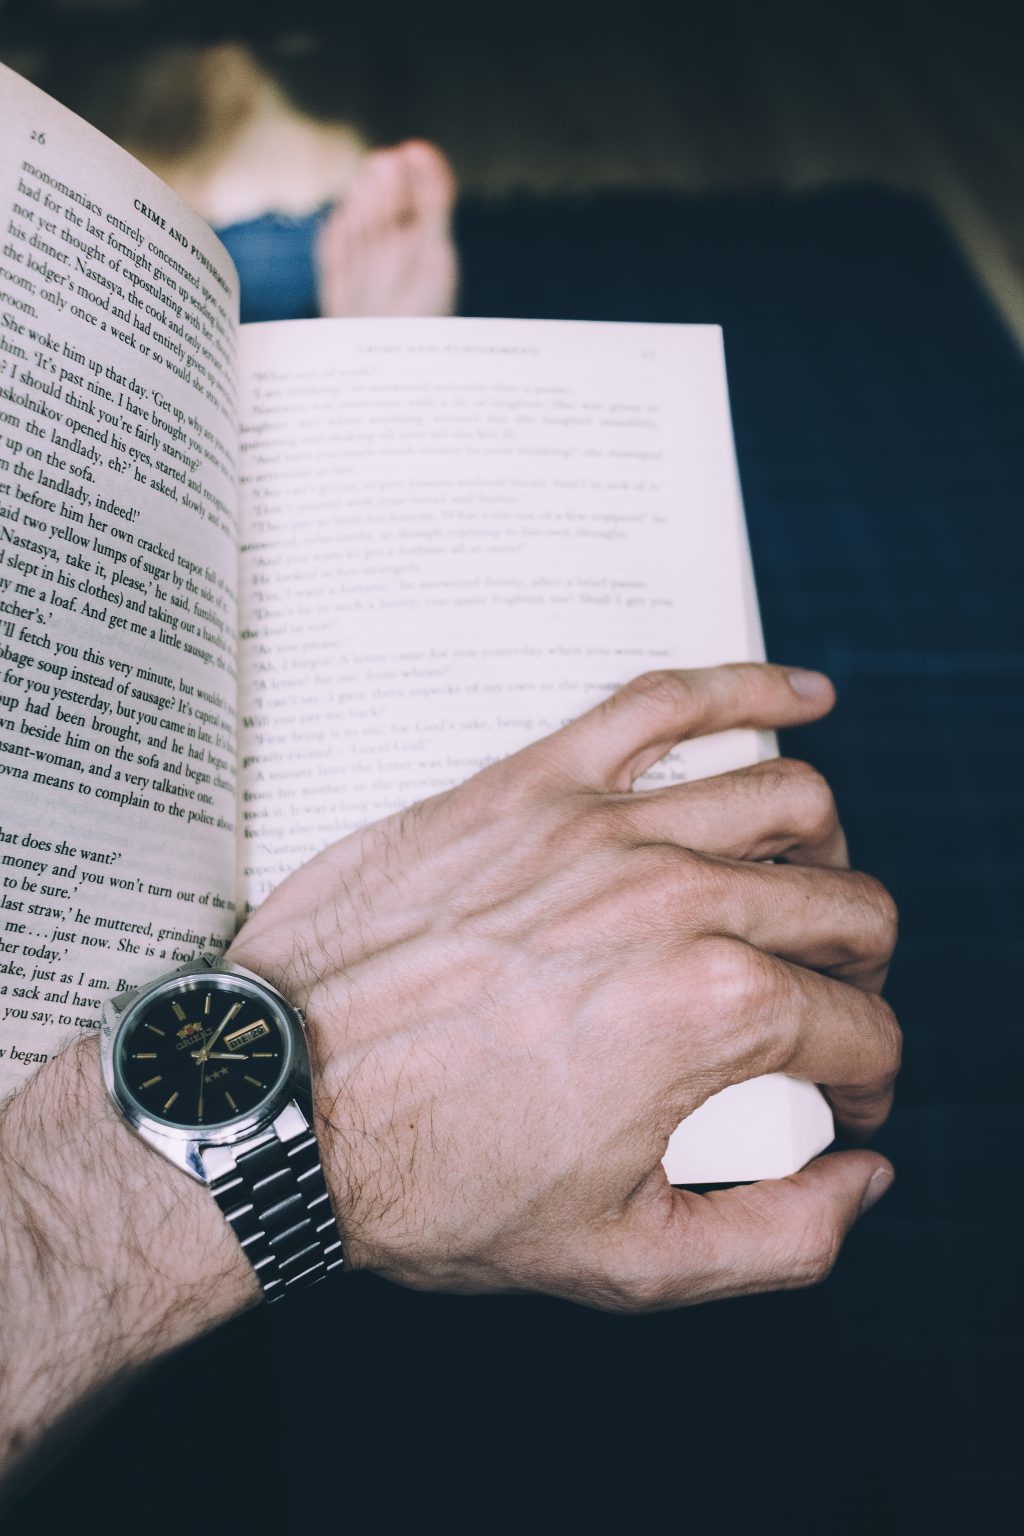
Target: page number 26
x,y
38,136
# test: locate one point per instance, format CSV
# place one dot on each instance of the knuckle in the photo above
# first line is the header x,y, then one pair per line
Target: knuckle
x,y
881,915
588,825
665,889
678,876
808,794
607,819
631,1293
740,989
523,777
665,693
811,785
563,826
890,1038
735,975
817,1252
882,1053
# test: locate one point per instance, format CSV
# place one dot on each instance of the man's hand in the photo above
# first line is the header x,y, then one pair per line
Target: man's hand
x,y
516,989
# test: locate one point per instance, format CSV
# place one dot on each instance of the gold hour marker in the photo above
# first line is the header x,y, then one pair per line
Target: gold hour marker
x,y
171,1100
207,1001
256,1055
254,1080
151,1080
178,1011
231,1101
155,1030
144,1055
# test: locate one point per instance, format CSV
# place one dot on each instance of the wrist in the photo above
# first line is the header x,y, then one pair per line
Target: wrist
x,y
335,1116
102,1246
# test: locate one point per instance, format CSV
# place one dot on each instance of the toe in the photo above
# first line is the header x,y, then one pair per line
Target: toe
x,y
386,250
431,177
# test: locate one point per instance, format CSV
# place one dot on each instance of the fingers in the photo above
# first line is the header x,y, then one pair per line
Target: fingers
x,y
785,1233
676,1248
763,1015
775,810
828,919
833,920
613,744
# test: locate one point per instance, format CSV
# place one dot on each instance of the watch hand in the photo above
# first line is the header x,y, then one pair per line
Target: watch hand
x,y
219,1056
202,1082
204,1055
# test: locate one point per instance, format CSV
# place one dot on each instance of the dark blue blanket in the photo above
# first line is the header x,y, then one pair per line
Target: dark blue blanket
x,y
879,412
879,409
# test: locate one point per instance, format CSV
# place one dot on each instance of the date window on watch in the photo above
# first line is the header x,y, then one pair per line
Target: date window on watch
x,y
247,1035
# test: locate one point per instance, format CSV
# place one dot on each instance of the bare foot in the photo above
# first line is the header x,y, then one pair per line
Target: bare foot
x,y
387,249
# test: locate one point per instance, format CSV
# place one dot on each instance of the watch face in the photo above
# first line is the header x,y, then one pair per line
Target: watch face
x,y
203,1051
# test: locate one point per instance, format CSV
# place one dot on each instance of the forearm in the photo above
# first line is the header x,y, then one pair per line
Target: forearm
x,y
109,1257
513,992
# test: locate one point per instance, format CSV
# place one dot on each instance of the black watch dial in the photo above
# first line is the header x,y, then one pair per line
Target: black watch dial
x,y
206,1051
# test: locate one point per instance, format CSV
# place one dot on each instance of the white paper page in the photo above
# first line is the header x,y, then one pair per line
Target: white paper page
x,y
458,534
118,324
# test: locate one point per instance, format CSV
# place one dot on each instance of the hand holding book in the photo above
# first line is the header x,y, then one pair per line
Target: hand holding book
x,y
513,990
516,988
263,585
261,588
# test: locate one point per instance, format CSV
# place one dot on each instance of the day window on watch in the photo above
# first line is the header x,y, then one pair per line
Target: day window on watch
x,y
246,1035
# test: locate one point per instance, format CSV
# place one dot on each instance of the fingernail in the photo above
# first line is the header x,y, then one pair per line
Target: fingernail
x,y
809,685
878,1183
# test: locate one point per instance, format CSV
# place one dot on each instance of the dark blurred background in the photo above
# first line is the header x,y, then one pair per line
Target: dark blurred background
x,y
841,187
577,95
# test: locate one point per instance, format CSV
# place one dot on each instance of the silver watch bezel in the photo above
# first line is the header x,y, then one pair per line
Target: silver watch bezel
x,y
184,1145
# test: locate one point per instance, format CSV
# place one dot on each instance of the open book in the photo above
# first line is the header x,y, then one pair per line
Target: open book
x,y
262,585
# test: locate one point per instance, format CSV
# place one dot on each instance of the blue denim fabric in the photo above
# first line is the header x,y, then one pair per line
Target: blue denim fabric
x,y
274,257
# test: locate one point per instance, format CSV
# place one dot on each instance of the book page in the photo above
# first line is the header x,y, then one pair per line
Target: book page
x,y
118,559
457,535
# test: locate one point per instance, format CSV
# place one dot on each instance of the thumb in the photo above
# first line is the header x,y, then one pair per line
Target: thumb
x,y
785,1233
618,740
677,1247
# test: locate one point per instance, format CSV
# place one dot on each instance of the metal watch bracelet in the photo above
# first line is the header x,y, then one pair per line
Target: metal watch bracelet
x,y
272,1191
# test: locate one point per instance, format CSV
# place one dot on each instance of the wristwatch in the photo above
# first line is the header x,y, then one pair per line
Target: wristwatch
x,y
209,1065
